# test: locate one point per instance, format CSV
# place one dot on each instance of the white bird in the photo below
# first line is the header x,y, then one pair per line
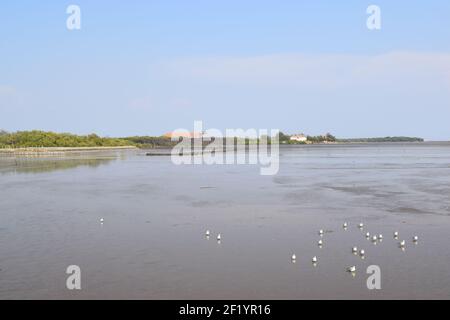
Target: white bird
x,y
395,234
374,238
351,269
367,235
219,237
402,243
101,220
208,233
314,259
320,242
354,249
361,225
345,225
415,238
294,257
321,232
361,253
380,237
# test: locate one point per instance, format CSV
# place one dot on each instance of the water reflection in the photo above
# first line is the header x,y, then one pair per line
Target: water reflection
x,y
152,244
43,165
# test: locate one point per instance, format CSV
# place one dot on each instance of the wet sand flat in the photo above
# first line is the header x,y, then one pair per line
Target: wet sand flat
x,y
152,244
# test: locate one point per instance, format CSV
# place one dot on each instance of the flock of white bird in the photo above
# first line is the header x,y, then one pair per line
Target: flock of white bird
x,y
352,269
355,251
375,239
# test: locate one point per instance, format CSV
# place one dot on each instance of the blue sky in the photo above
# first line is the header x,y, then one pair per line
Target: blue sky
x,y
148,67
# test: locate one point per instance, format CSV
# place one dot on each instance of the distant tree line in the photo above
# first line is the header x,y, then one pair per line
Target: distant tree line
x,y
320,139
151,142
384,139
27,139
284,138
24,139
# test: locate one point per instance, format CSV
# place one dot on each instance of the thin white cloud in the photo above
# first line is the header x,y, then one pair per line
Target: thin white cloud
x,y
9,97
140,104
6,90
322,71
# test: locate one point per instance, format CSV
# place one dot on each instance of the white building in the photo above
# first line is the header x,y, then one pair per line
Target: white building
x,y
299,138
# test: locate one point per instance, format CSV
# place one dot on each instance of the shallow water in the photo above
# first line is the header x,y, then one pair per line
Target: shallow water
x,y
152,243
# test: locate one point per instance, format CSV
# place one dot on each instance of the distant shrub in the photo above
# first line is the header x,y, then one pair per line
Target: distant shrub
x,y
27,139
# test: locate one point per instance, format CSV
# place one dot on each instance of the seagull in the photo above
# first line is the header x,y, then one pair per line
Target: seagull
x,y
396,234
361,225
321,232
294,257
354,249
320,242
208,233
101,220
374,238
351,269
344,225
314,259
415,238
380,237
362,253
367,235
402,243
219,237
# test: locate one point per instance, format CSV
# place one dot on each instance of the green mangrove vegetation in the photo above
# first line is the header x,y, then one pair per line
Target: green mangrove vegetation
x,y
30,139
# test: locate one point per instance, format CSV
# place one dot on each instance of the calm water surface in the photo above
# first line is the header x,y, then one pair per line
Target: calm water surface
x,y
152,243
